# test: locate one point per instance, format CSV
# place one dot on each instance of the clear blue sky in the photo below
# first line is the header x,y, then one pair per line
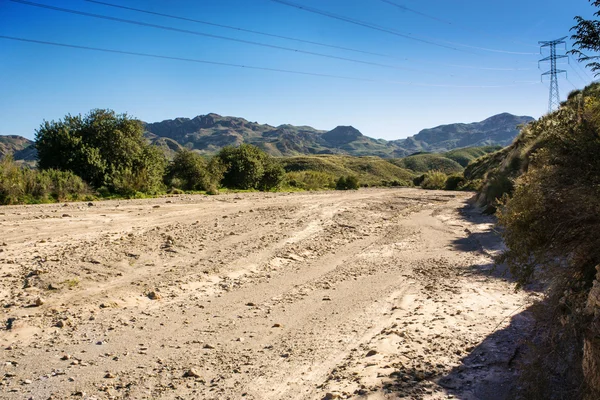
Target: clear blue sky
x,y
434,83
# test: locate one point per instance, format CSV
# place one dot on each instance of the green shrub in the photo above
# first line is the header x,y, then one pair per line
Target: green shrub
x,y
417,181
434,180
248,167
104,149
273,176
347,183
455,182
310,180
187,171
19,185
352,182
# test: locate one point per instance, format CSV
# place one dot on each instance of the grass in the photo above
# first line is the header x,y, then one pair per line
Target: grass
x,y
321,171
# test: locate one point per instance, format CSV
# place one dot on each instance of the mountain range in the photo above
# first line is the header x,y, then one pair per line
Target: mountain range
x,y
208,133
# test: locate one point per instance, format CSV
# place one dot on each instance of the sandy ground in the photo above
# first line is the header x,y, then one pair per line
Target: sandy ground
x,y
373,294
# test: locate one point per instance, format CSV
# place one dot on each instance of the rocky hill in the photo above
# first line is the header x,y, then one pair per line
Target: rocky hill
x,y
18,146
208,133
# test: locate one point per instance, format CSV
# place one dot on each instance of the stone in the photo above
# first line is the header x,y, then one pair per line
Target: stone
x,y
39,301
191,373
153,296
109,375
371,353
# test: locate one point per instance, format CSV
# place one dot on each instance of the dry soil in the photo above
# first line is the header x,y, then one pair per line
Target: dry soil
x,y
371,294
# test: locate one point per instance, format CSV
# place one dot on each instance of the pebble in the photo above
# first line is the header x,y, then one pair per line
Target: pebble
x,y
191,373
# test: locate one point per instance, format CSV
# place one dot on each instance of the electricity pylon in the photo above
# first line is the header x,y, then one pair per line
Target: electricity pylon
x,y
554,101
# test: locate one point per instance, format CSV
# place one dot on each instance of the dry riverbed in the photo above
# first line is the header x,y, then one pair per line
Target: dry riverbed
x,y
373,294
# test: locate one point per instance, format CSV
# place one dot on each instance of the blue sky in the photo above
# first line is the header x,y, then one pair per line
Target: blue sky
x,y
444,72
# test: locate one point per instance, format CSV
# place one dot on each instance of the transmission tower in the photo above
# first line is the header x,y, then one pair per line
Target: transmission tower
x,y
554,101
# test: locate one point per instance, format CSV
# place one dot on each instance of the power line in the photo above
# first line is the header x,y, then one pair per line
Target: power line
x,y
581,68
361,23
236,28
577,73
168,28
393,31
194,60
404,8
218,63
285,37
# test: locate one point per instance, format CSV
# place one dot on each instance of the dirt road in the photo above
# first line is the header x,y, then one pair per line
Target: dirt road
x,y
370,294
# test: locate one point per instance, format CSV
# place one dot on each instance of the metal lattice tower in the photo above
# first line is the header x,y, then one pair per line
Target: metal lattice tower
x,y
554,101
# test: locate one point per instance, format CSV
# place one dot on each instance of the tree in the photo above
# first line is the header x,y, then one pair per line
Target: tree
x,y
104,149
189,170
248,167
587,37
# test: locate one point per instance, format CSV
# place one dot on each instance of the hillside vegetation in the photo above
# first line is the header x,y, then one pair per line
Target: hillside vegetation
x,y
207,134
546,187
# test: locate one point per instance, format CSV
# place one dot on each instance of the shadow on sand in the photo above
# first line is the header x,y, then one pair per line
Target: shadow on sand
x,y
488,371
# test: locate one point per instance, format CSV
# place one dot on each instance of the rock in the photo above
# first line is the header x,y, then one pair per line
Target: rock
x,y
330,396
27,382
153,296
276,326
39,301
191,373
66,216
157,206
90,204
66,357
109,375
250,304
371,353
208,346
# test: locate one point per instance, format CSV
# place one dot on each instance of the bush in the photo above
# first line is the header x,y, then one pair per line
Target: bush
x,y
434,180
273,175
19,185
104,149
551,227
187,171
347,183
455,182
310,180
248,167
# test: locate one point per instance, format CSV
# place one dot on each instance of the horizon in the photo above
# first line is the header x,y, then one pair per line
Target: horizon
x,y
443,64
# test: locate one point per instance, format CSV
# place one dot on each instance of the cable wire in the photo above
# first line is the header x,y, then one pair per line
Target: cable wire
x,y
580,67
235,28
286,37
404,8
168,28
194,60
369,25
362,23
253,67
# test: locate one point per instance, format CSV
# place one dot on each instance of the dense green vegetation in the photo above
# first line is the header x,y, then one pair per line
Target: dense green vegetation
x,y
106,150
110,153
321,172
424,162
546,188
20,185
